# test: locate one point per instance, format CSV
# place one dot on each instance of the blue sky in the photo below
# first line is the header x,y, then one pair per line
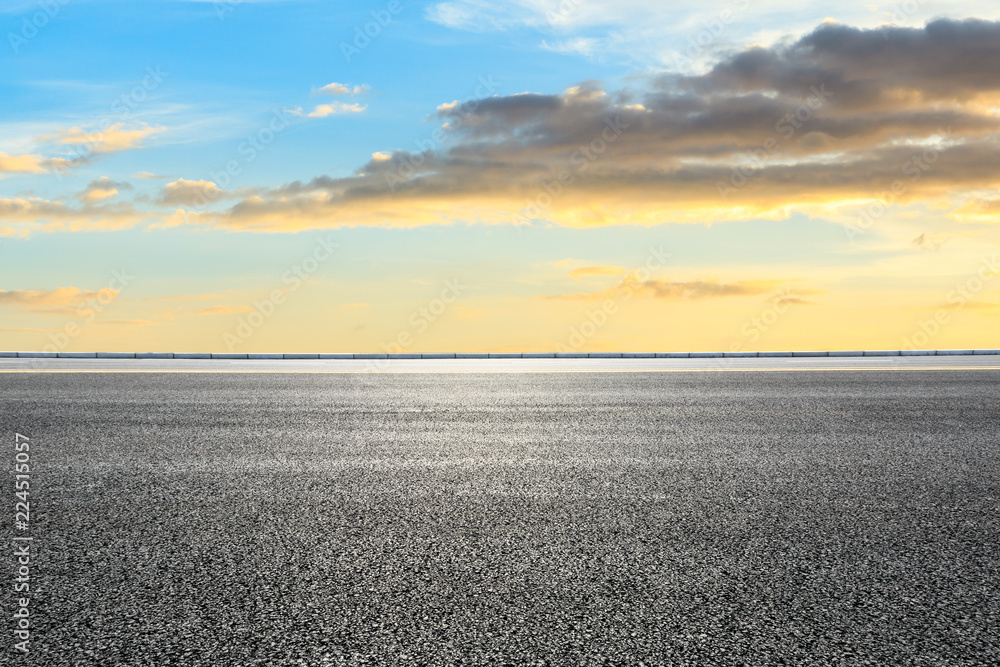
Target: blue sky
x,y
190,184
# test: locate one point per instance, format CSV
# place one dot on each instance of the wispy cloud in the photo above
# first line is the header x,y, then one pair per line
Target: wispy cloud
x,y
596,271
324,110
673,290
116,137
667,34
342,89
36,214
223,310
189,297
58,298
150,176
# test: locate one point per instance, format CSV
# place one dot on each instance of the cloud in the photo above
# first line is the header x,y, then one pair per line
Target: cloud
x,y
103,188
990,307
147,175
128,323
985,210
693,290
838,119
56,300
595,271
183,192
223,310
702,289
472,15
34,164
927,241
114,138
324,110
654,34
334,108
584,46
36,214
188,297
468,313
24,164
343,89
83,144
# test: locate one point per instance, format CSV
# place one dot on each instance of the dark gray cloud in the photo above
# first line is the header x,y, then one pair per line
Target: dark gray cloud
x,y
944,60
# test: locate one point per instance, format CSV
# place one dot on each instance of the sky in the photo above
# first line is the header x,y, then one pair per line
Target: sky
x,y
490,176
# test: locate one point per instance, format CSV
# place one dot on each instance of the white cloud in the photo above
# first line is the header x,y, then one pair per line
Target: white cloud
x,y
682,34
343,89
583,46
324,110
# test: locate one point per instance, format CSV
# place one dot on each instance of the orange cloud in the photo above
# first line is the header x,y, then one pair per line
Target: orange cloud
x,y
673,290
594,271
223,310
102,188
25,164
35,214
116,137
59,298
187,297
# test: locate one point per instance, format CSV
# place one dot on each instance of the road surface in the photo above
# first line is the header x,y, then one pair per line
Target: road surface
x,y
626,516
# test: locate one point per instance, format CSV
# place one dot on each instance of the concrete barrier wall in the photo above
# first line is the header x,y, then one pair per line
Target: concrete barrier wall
x,y
487,355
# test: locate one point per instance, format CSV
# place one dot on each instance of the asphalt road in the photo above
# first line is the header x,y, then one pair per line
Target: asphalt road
x,y
831,516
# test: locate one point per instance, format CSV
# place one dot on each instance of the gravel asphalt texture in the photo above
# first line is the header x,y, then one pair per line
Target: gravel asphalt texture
x,y
828,517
